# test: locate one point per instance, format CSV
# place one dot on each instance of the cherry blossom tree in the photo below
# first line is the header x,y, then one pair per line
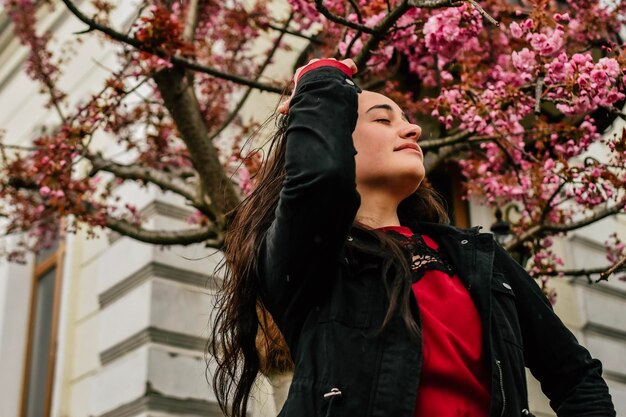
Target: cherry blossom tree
x,y
516,94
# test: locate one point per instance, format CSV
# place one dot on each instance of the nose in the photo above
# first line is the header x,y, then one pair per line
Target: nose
x,y
411,131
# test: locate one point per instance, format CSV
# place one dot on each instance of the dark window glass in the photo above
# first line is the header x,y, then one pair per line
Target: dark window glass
x,y
40,345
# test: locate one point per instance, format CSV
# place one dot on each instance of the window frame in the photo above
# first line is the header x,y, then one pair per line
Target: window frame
x,y
40,268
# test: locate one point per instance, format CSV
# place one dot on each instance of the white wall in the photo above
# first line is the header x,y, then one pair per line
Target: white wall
x,y
15,293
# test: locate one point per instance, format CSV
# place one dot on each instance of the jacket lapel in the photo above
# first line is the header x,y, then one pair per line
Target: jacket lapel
x,y
471,254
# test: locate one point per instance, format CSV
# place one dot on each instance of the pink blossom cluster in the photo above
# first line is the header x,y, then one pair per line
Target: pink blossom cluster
x,y
496,109
197,218
544,260
593,20
219,39
525,62
589,187
308,14
40,64
405,39
452,30
380,57
518,30
574,142
547,42
578,85
551,180
409,42
492,177
616,248
616,144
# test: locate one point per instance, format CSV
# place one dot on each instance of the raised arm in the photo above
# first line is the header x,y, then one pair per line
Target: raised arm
x,y
300,251
569,376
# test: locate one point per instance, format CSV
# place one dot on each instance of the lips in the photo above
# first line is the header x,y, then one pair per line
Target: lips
x,y
411,146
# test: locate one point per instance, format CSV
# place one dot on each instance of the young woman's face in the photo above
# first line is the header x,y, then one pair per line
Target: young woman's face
x,y
386,143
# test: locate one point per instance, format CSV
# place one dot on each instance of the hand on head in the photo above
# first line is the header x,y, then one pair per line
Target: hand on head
x,y
283,108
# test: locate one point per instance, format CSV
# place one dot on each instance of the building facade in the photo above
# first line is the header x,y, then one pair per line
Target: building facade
x,y
111,327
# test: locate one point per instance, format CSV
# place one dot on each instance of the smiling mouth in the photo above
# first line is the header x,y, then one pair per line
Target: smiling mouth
x,y
409,149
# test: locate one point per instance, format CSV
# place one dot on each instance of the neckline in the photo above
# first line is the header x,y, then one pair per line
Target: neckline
x,y
403,230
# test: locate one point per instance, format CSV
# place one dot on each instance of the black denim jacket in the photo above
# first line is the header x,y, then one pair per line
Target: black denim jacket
x,y
329,301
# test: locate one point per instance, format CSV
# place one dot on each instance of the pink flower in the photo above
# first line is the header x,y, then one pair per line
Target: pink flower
x,y
515,30
44,191
562,18
547,44
524,60
447,32
582,86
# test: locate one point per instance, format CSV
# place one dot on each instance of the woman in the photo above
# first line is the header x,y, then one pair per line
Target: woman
x,y
386,309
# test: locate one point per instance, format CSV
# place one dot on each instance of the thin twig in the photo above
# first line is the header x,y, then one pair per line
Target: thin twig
x,y
319,5
262,68
557,227
192,20
484,13
538,91
174,59
311,39
431,144
379,33
604,276
18,147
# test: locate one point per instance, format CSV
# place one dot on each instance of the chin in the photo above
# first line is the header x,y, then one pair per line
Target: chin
x,y
411,180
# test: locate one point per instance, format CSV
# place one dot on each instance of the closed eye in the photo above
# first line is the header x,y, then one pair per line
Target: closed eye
x,y
383,120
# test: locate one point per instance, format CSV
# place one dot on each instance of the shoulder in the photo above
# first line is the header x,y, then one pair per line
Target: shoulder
x,y
448,230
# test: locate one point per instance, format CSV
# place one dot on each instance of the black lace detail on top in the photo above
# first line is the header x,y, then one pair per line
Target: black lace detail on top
x,y
423,257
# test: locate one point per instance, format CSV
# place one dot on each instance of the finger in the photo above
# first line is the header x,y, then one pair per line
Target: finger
x,y
283,108
350,64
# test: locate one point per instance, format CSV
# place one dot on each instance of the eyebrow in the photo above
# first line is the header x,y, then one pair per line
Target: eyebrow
x,y
386,107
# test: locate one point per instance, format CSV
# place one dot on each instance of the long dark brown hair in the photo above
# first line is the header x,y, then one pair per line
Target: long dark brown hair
x,y
244,340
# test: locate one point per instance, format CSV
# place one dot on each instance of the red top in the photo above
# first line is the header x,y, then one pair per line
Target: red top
x,y
455,380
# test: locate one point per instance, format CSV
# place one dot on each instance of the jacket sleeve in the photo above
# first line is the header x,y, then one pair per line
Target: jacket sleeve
x,y
568,375
318,200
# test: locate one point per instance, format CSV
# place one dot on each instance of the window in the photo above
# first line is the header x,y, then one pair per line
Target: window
x,y
41,346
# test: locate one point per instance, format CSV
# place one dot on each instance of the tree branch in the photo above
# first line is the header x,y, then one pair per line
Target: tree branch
x,y
548,206
604,272
311,39
206,234
432,144
174,59
538,93
574,272
176,88
434,4
433,160
18,147
192,20
264,65
319,5
143,173
559,228
382,28
379,33
604,276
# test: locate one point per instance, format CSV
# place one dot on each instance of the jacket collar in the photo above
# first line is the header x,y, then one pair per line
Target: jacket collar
x,y
436,229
